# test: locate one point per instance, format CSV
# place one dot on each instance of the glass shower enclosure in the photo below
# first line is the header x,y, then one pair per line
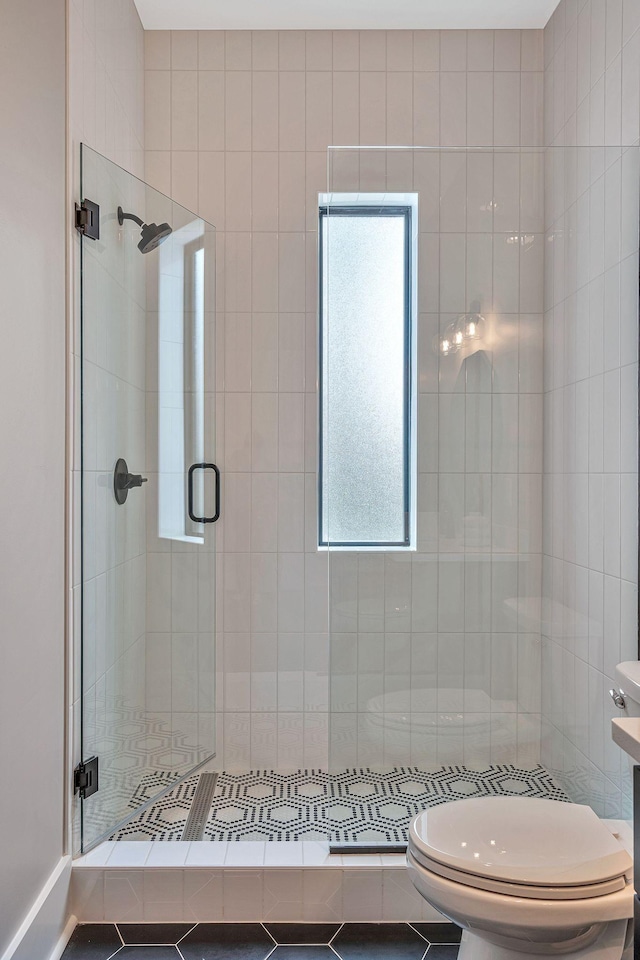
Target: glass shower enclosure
x,y
435,592
452,632
150,495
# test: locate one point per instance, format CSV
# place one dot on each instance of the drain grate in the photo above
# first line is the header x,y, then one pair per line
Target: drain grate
x,y
200,807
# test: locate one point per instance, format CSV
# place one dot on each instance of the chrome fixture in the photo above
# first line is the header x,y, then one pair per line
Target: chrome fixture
x,y
618,698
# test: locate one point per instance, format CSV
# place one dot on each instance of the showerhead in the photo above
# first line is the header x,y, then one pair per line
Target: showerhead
x,y
152,236
152,233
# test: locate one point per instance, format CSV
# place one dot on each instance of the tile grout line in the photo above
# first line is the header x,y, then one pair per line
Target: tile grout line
x,y
190,930
329,942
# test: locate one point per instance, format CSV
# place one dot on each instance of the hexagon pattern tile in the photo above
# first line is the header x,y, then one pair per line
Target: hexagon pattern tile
x,y
140,756
257,941
355,805
166,818
382,941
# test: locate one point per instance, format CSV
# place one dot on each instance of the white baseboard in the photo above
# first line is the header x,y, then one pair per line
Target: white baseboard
x,y
46,929
65,936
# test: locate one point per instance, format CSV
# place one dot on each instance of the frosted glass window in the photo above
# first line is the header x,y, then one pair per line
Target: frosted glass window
x,y
365,376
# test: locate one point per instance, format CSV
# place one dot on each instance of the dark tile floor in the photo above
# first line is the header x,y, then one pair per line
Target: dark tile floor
x,y
257,941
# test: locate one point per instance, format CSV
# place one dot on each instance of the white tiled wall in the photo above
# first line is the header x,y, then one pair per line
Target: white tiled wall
x,y
592,97
106,110
205,881
435,655
237,127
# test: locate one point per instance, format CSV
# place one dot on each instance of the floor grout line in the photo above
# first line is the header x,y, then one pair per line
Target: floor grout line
x,y
271,937
410,923
330,944
190,930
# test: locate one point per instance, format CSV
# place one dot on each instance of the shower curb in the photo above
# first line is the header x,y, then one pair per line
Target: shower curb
x,y
213,881
210,881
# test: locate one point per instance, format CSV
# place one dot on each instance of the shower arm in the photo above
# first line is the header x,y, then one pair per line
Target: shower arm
x,y
122,216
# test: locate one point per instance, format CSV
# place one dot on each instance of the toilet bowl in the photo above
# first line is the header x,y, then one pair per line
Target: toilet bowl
x,y
524,876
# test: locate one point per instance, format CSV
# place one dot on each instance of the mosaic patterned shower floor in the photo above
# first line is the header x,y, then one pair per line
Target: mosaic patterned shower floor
x,y
356,805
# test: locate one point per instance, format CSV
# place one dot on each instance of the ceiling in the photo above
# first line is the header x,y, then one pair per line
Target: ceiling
x,y
344,14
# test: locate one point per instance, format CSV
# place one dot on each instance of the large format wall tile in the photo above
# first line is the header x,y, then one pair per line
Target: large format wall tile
x,y
592,97
255,113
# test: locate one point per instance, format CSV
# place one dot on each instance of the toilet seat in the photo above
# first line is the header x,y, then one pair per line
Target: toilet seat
x,y
521,846
528,890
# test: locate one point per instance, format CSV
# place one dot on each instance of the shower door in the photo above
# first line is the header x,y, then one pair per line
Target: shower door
x,y
150,494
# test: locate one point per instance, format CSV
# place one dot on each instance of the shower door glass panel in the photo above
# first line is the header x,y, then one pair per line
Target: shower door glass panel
x,y
148,577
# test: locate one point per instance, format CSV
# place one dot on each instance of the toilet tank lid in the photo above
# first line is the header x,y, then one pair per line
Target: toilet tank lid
x,y
628,677
521,839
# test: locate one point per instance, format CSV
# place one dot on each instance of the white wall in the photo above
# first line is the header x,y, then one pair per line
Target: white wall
x,y
237,126
106,83
32,481
592,96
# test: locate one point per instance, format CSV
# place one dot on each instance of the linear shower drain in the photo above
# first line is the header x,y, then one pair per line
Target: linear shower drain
x,y
200,807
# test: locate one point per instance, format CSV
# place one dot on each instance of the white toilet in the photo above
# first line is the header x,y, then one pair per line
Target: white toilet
x,y
523,876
